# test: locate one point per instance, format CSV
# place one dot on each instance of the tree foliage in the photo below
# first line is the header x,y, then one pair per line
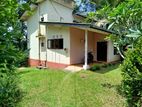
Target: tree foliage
x,y
10,53
93,5
125,19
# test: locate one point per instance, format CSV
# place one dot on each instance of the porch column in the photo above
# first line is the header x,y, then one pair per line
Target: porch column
x,y
86,66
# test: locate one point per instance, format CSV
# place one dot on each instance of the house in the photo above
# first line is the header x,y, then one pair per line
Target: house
x,y
56,42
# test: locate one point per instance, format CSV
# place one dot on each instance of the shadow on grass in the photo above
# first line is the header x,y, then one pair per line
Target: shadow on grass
x,y
28,70
107,69
118,88
23,72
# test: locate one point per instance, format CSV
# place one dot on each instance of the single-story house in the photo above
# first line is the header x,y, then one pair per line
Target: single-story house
x,y
56,41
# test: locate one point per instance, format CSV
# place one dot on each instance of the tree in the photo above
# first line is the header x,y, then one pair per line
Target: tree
x,y
126,21
124,18
10,53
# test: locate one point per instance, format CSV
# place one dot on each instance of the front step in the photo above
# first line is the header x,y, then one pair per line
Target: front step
x,y
41,67
73,68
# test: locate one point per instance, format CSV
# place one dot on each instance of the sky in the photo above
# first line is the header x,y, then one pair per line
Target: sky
x,y
86,8
78,1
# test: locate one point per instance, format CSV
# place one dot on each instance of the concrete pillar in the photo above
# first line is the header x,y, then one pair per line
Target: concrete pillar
x,y
86,66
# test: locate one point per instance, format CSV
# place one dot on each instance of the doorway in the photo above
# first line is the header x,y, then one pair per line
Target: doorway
x,y
102,51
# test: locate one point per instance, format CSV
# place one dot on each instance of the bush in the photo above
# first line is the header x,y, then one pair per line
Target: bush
x,y
10,92
110,64
95,68
104,65
132,76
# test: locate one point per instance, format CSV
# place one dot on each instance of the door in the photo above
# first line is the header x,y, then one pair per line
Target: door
x,y
102,51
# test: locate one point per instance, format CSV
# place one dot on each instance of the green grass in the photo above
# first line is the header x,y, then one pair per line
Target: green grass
x,y
55,88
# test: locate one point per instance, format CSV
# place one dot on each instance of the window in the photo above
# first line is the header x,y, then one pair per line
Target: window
x,y
115,51
42,44
55,44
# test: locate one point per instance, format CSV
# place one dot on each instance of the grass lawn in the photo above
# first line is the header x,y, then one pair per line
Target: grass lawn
x,y
55,88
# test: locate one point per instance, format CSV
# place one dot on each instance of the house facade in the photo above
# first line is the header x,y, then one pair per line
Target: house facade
x,y
56,41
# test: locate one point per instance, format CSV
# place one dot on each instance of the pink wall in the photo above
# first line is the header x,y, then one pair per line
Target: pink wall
x,y
110,49
77,45
77,42
97,38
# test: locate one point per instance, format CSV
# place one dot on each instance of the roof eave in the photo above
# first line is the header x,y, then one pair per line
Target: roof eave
x,y
26,14
82,25
39,1
33,7
67,24
102,29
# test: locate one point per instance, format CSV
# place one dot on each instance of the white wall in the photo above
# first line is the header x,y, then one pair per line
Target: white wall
x,y
32,27
111,57
59,55
77,47
55,11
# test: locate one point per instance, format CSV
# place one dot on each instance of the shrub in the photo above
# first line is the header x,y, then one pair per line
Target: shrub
x,y
95,68
10,92
104,65
132,76
110,64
